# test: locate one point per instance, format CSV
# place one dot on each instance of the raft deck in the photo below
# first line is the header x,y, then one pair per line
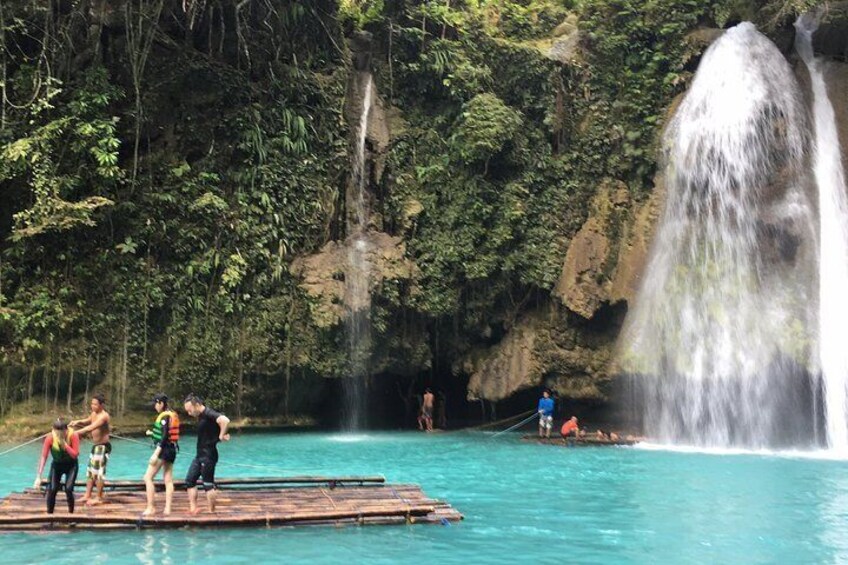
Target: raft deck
x,y
263,502
578,441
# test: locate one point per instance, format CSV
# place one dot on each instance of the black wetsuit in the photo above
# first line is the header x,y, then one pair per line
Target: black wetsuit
x,y
58,468
203,465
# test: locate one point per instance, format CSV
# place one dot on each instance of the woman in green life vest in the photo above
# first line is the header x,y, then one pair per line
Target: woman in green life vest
x,y
62,445
165,435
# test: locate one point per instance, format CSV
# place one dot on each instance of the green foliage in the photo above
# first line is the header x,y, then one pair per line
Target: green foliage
x,y
182,276
60,155
637,53
361,13
485,127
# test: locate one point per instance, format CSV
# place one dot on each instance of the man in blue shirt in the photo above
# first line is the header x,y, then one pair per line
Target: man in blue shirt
x,y
546,414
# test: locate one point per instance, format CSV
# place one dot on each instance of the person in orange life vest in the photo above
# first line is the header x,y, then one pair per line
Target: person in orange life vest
x,y
166,435
570,427
63,445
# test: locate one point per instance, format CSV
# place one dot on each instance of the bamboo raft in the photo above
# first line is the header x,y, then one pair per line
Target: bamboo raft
x,y
253,502
578,441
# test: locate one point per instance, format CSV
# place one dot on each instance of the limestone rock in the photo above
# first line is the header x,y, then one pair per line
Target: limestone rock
x,y
323,274
542,348
582,283
636,241
567,49
507,367
698,40
606,257
568,26
703,37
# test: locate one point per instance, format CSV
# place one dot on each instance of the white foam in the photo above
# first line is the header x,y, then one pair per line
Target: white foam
x,y
817,454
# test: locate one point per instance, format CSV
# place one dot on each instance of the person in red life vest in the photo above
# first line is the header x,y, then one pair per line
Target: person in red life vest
x,y
165,435
63,445
570,427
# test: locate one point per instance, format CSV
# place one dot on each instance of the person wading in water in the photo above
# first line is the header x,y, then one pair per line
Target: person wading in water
x,y
211,428
165,435
97,424
63,445
427,409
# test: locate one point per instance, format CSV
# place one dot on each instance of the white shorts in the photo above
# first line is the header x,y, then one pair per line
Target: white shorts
x,y
546,422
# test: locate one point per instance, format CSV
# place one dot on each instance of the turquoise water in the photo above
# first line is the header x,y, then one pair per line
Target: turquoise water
x,y
523,503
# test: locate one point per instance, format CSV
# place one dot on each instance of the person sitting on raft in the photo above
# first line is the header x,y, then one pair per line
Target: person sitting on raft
x,y
607,436
63,445
165,435
546,414
570,428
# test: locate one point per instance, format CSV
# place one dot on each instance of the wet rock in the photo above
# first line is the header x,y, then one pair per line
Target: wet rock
x,y
567,49
836,78
323,274
831,38
703,37
509,366
567,45
542,348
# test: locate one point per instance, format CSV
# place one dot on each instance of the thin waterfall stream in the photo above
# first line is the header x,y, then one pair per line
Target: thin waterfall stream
x,y
358,273
833,255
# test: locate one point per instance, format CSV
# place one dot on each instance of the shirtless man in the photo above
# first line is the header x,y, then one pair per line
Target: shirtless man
x,y
97,424
427,409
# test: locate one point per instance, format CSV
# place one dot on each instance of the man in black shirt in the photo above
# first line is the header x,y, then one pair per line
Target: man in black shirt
x,y
211,428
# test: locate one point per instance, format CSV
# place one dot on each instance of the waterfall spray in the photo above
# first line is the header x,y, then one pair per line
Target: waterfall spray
x,y
719,336
833,255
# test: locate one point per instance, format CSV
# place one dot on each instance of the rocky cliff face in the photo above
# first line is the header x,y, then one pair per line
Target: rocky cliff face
x,y
562,346
569,345
566,339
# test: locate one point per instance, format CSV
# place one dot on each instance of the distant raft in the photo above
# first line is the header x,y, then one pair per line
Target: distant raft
x,y
250,502
589,440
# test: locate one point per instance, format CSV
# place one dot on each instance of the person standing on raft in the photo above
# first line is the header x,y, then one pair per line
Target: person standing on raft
x,y
166,437
63,445
98,425
546,414
211,428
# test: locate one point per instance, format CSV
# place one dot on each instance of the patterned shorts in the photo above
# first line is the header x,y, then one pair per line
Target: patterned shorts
x,y
546,422
98,460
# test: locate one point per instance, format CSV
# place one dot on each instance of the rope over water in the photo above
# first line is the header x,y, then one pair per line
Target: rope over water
x,y
116,436
224,462
518,425
33,440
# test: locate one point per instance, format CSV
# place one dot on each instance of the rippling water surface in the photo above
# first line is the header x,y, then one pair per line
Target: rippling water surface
x,y
523,503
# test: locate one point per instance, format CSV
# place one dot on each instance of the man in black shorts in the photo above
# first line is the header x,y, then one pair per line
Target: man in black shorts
x,y
211,428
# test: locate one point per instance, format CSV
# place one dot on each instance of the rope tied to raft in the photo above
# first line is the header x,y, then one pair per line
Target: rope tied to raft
x,y
518,425
116,436
499,422
330,498
33,440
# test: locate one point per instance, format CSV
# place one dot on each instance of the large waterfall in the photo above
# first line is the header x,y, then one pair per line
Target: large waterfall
x,y
833,260
721,339
358,272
